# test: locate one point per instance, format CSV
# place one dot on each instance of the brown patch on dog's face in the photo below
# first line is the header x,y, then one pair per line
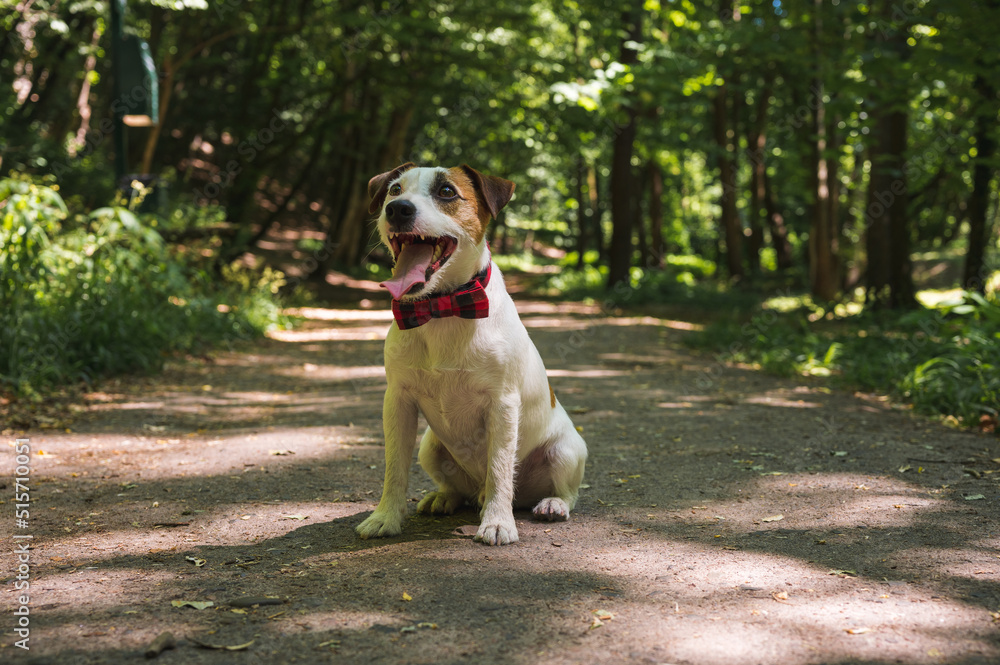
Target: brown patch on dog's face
x,y
378,186
455,195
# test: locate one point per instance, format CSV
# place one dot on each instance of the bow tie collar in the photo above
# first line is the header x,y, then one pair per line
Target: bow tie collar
x,y
468,301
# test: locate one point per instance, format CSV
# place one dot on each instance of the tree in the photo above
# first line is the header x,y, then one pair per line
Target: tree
x,y
623,189
889,281
726,140
824,272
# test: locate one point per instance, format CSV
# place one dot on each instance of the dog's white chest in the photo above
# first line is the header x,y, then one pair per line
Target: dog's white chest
x,y
453,394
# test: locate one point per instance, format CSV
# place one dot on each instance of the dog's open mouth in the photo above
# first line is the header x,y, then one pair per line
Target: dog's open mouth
x,y
417,258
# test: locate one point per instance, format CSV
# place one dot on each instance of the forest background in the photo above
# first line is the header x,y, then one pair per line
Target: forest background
x,y
818,178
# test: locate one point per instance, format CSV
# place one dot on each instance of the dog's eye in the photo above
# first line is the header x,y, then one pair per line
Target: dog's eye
x,y
447,192
395,190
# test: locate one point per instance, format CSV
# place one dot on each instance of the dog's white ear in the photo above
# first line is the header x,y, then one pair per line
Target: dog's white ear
x,y
495,192
379,186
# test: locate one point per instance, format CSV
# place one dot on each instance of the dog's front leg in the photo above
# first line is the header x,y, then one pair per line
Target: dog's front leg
x,y
497,524
399,419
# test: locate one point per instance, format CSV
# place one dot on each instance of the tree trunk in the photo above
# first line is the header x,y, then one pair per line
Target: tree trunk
x,y
776,225
756,144
639,220
582,217
725,137
729,224
890,273
353,239
656,214
622,178
823,269
975,272
596,213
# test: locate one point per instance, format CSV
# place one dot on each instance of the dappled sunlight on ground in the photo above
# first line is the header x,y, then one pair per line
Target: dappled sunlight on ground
x,y
329,334
726,517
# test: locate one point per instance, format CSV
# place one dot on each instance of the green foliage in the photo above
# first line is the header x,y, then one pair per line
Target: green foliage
x,y
101,293
675,282
944,361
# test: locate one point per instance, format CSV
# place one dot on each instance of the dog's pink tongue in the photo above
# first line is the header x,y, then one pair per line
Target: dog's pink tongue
x,y
411,266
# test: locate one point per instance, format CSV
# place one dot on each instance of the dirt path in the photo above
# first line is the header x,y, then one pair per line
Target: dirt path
x,y
729,518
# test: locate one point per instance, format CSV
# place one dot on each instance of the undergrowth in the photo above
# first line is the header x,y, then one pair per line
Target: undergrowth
x,y
945,361
85,294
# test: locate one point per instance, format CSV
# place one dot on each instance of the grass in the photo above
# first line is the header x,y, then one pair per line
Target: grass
x,y
945,360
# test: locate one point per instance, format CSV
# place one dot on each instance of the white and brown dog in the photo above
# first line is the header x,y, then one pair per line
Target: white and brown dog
x,y
459,354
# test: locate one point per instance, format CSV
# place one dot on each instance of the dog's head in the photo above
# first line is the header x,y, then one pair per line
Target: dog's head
x,y
433,220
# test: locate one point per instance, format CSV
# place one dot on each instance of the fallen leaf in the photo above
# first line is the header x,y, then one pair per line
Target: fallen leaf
x,y
974,497
857,631
844,573
407,597
408,629
596,623
251,601
196,561
427,624
328,643
904,468
238,611
773,518
603,615
281,452
221,647
780,596
196,604
295,517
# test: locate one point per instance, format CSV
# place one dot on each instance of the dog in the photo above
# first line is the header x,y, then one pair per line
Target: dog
x,y
458,354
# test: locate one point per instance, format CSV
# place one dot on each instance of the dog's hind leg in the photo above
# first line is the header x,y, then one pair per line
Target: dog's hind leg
x,y
454,484
565,459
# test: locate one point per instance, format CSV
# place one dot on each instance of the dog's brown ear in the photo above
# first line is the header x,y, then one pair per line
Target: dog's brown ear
x,y
379,186
495,192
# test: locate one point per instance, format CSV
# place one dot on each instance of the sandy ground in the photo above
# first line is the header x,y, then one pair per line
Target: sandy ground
x,y
728,518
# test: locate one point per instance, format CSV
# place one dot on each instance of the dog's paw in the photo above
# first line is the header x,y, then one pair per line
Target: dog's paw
x,y
439,503
497,533
552,509
380,525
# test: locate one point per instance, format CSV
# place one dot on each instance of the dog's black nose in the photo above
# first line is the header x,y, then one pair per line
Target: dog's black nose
x,y
400,214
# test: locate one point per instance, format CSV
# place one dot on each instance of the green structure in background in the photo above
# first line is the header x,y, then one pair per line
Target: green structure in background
x,y
136,89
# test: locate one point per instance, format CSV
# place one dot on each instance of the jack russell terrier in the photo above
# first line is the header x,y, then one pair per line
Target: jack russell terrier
x,y
459,354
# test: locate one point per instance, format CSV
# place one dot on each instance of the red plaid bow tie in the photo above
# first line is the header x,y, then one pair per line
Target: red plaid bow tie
x,y
468,301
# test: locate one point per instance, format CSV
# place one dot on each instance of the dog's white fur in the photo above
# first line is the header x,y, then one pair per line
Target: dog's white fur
x,y
496,433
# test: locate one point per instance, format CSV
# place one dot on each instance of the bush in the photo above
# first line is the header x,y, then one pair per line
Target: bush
x,y
944,361
101,293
